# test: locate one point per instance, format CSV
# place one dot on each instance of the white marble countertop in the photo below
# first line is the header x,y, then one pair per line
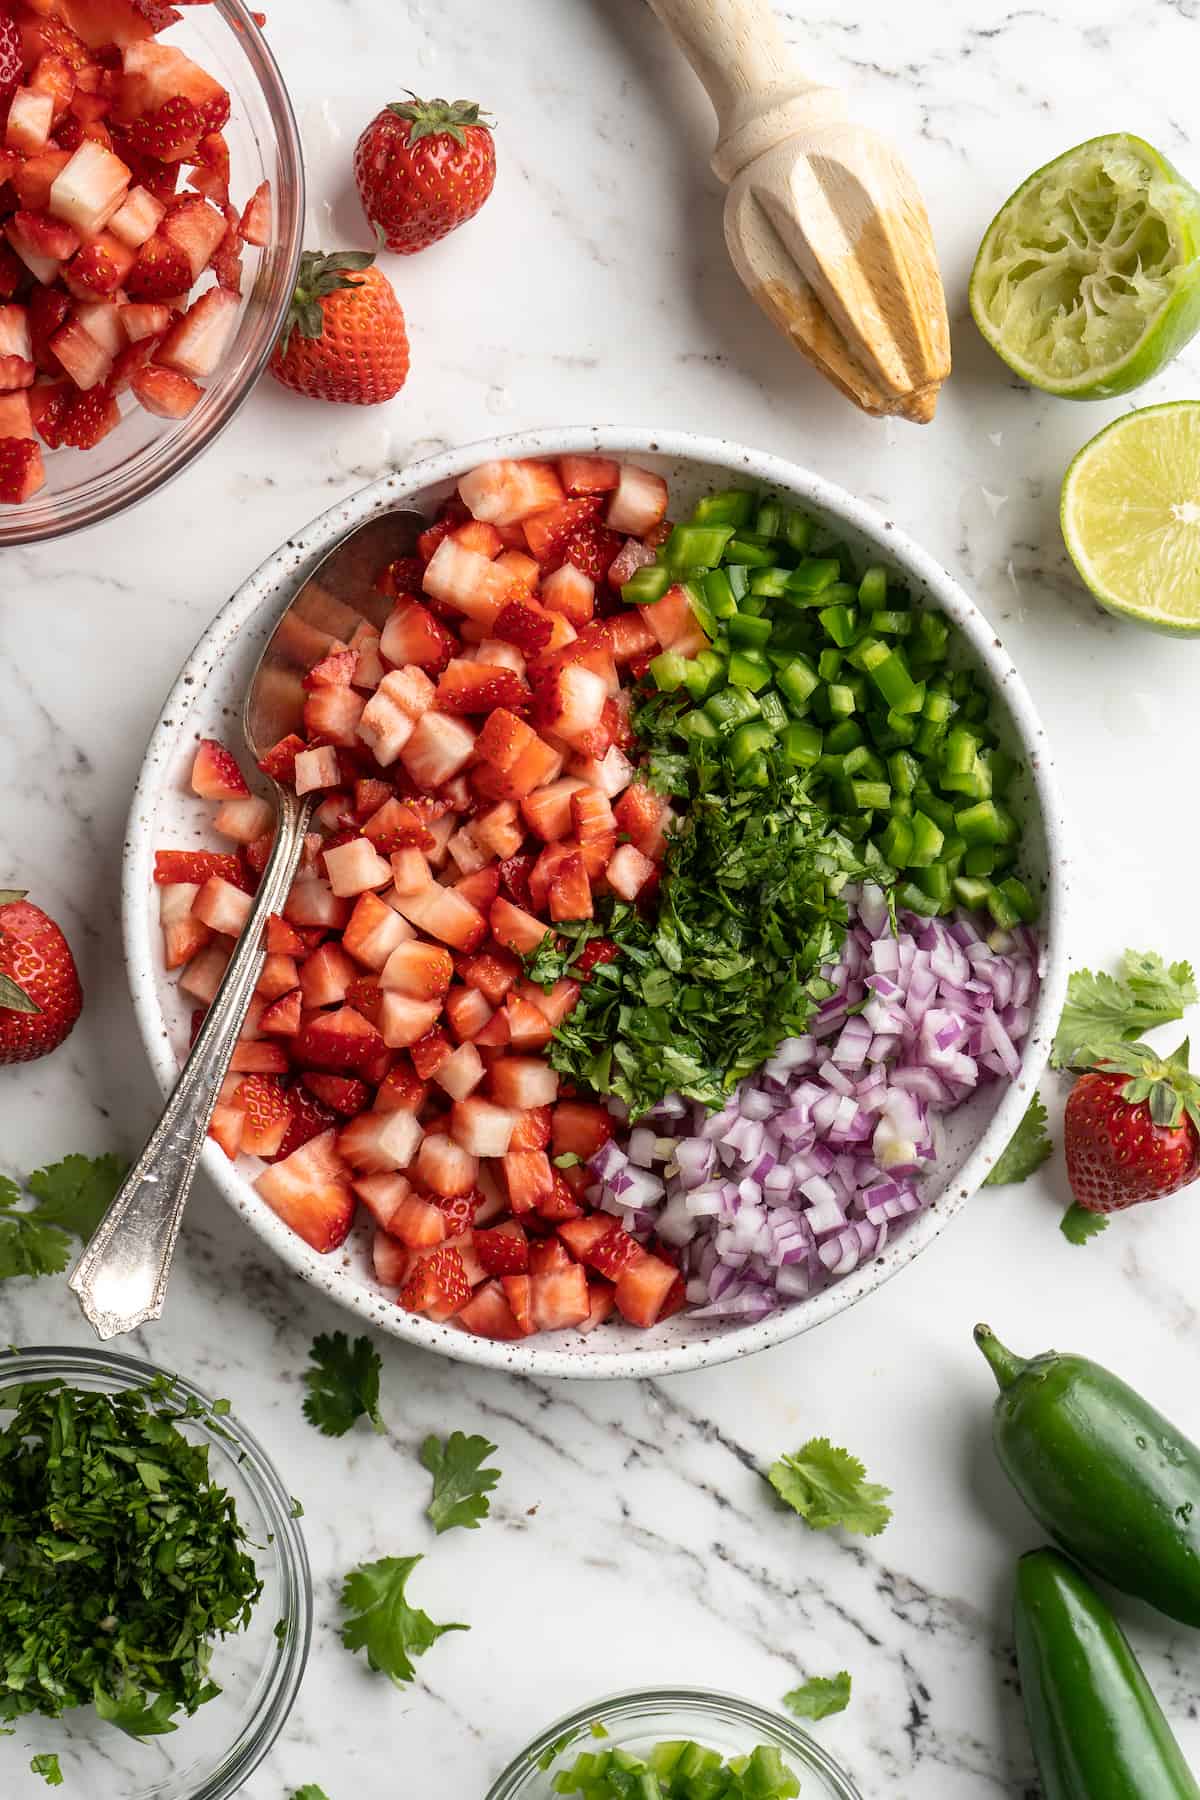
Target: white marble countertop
x,y
631,1541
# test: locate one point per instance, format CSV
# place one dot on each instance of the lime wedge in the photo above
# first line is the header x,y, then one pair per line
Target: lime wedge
x,y
1088,279
1131,516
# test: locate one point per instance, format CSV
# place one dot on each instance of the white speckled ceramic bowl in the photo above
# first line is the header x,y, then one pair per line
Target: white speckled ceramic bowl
x,y
206,701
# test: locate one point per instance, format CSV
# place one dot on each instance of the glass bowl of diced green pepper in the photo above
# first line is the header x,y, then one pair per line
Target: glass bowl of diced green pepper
x,y
674,1744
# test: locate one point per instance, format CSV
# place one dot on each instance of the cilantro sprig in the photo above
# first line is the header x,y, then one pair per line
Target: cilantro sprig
x,y
820,1696
381,1621
343,1384
1078,1224
1105,1010
70,1199
827,1486
461,1484
46,1765
124,1561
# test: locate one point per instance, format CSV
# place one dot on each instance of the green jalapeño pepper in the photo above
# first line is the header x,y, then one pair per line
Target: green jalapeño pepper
x,y
1098,1732
1116,1483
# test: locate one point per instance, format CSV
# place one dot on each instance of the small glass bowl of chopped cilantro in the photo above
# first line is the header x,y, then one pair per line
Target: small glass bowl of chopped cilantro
x,y
674,1744
155,1598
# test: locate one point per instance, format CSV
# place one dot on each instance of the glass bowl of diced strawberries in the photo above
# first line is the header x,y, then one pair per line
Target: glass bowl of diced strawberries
x,y
151,213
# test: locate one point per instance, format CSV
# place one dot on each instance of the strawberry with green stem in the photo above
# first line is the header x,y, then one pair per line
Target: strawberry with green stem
x,y
344,339
1132,1128
40,995
423,168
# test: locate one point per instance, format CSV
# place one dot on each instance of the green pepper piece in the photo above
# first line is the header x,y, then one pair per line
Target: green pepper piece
x,y
896,841
696,546
843,736
1098,1732
668,671
768,521
718,594
731,506
840,623
754,773
747,632
646,585
984,823
696,726
773,710
703,674
749,669
871,796
801,744
1020,899
770,584
928,839
797,530
748,740
797,680
745,549
840,696
872,589
731,708
911,898
813,576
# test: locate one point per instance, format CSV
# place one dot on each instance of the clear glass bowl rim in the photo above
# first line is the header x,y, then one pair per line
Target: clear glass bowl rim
x,y
703,1703
104,496
41,1362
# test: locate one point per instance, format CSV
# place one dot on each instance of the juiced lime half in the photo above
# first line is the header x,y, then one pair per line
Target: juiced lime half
x,y
1088,279
1131,516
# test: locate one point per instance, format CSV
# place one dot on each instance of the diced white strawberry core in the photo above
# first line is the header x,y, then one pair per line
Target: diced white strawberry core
x,y
628,871
444,914
506,492
316,769
137,218
90,189
439,747
355,868
101,319
221,906
403,1020
384,726
523,1082
244,820
461,1072
410,871
378,1141
471,583
481,1128
30,116
196,345
612,772
639,503
445,1167
15,418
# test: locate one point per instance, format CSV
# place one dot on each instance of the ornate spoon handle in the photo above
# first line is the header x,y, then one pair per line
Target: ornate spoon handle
x,y
121,1278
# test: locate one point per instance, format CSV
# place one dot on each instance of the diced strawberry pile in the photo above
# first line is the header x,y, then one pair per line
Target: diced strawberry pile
x,y
114,207
476,790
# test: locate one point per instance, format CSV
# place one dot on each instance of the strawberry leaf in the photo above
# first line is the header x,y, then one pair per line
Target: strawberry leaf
x,y
12,999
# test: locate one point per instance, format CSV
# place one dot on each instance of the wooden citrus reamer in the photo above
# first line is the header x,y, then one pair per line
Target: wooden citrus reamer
x,y
824,223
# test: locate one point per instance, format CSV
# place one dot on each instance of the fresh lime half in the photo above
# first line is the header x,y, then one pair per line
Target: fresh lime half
x,y
1131,516
1088,279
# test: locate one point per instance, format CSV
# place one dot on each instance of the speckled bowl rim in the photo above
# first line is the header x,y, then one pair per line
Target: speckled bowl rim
x,y
262,592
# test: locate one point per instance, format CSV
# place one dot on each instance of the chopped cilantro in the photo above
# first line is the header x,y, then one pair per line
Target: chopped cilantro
x,y
381,1621
1078,1224
729,965
820,1696
72,1197
460,1482
827,1486
1103,1009
46,1765
123,1559
1026,1151
343,1385
311,1792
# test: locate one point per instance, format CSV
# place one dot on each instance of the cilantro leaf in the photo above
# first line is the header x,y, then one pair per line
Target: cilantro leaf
x,y
72,1196
310,1792
1026,1151
820,1696
46,1765
344,1384
76,1193
460,1483
827,1486
134,1717
382,1622
1101,1009
1078,1224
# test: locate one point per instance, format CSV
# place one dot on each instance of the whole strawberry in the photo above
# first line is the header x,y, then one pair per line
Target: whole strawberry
x,y
344,339
424,167
1130,1130
40,995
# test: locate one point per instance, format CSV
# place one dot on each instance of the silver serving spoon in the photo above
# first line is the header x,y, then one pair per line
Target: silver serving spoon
x,y
121,1278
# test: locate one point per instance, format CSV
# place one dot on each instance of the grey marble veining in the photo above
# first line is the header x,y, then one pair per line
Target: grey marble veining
x,y
632,1540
